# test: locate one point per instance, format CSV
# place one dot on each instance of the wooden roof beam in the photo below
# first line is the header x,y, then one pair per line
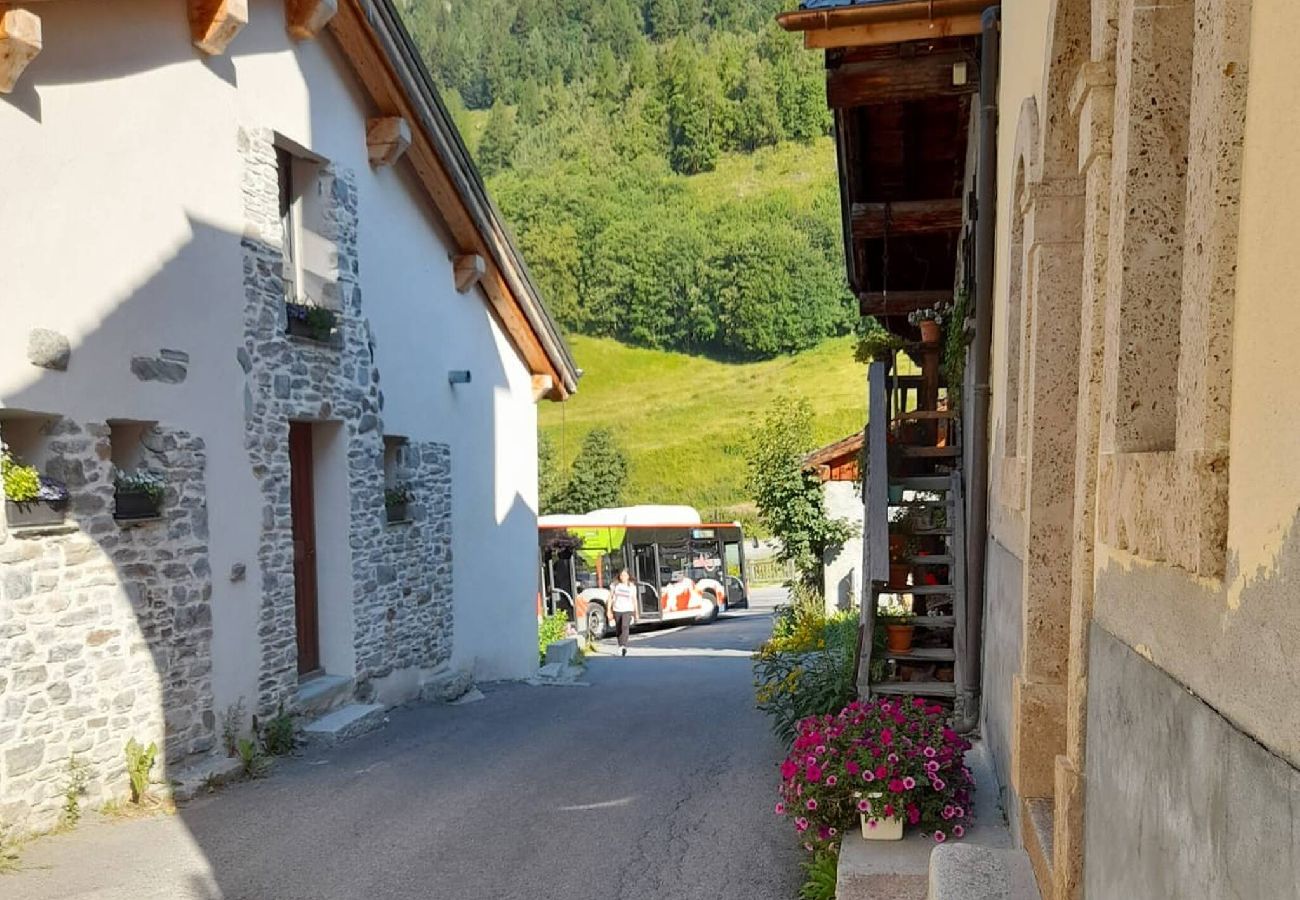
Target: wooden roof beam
x,y
899,80
387,138
870,220
20,41
885,23
900,303
305,18
214,23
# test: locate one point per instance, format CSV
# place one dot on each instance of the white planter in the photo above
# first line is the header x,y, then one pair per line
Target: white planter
x,y
874,829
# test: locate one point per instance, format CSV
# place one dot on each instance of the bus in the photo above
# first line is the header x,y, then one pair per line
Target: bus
x,y
685,570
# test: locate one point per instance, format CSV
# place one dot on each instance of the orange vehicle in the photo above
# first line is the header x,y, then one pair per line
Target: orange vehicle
x,y
684,571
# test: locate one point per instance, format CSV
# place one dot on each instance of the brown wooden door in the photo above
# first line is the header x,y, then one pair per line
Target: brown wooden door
x,y
303,506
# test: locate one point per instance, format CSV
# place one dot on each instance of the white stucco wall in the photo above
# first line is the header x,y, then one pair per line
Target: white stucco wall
x,y
123,226
843,577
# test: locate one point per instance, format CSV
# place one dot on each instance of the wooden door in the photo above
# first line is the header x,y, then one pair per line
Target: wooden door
x,y
303,507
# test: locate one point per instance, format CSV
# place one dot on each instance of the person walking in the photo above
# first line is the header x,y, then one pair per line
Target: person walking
x,y
622,595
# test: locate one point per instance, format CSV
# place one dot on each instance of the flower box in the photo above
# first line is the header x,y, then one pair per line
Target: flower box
x,y
315,323
398,512
136,505
35,512
880,829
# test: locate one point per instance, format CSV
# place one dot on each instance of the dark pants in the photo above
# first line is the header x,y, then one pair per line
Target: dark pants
x,y
623,622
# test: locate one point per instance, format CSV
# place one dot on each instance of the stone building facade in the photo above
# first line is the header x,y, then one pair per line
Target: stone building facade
x,y
308,165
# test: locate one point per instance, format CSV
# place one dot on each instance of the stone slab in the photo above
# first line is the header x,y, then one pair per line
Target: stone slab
x,y
189,782
322,694
968,872
346,722
563,652
446,686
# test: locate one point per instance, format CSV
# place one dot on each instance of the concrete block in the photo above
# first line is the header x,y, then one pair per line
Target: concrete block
x,y
212,771
968,872
564,652
347,722
446,686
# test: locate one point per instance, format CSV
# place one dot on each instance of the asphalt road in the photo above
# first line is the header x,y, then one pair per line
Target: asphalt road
x,y
656,780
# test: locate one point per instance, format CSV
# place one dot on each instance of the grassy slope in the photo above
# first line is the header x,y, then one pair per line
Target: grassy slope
x,y
684,420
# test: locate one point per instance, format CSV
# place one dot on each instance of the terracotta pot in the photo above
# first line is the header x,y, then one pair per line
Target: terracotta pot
x,y
898,638
898,573
931,331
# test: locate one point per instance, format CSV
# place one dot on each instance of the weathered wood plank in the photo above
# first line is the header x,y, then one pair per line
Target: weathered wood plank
x,y
214,23
900,303
874,220
899,80
875,544
304,19
387,138
892,32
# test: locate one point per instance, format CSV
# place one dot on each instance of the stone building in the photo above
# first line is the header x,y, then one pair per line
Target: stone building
x,y
248,253
1137,529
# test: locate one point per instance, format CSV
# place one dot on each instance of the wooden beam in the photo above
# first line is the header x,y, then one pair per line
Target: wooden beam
x,y
892,32
214,23
470,269
387,139
20,41
542,385
897,80
305,18
870,220
900,303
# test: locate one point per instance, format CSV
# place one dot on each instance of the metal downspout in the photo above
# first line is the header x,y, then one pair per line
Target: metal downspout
x,y
978,483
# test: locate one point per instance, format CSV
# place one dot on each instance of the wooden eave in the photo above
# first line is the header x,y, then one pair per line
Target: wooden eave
x,y
842,453
885,23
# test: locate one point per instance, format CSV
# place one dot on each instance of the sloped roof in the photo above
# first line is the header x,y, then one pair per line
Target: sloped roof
x,y
841,450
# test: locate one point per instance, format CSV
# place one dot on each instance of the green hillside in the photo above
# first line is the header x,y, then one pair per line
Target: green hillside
x,y
684,420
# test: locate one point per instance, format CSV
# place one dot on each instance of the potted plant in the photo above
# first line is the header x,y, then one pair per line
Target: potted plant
x,y
878,346
138,494
897,617
885,764
902,545
313,322
30,497
396,501
930,321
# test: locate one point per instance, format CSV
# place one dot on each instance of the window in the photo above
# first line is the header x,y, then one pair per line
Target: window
x,y
289,214
310,267
674,561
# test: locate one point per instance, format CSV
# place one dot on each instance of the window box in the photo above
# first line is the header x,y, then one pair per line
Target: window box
x,y
315,323
136,505
398,512
35,512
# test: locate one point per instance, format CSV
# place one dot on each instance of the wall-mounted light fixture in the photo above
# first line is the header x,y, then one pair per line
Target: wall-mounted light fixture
x,y
458,376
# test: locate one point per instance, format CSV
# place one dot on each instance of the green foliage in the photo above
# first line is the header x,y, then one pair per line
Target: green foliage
x,y
685,435
789,497
22,483
139,762
279,734
255,762
806,667
550,475
397,495
552,628
598,475
74,788
954,349
820,873
232,725
587,114
141,481
877,342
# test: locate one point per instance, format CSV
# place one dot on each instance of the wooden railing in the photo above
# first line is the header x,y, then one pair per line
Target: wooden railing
x,y
875,520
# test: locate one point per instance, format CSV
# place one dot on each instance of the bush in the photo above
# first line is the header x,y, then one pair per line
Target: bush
x,y
806,667
892,758
139,760
280,733
820,873
554,627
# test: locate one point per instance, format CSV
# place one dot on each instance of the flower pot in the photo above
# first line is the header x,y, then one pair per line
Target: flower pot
x,y
397,512
898,573
874,829
943,673
898,638
931,331
35,512
135,505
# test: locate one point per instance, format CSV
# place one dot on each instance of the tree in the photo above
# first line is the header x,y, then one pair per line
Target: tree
x,y
789,498
598,476
550,477
692,97
499,139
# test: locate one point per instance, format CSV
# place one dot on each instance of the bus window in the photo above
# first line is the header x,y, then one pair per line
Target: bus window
x,y
584,573
674,561
733,559
706,560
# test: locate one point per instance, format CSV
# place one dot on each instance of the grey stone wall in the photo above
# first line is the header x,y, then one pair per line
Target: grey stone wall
x,y
1180,803
105,628
401,574
1002,637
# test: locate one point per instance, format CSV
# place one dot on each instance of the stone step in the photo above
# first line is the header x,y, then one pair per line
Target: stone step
x,y
969,872
317,696
345,722
199,775
446,686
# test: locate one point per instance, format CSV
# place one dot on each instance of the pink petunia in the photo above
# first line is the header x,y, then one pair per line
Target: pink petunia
x,y
801,824
831,781
813,773
868,776
889,811
864,806
939,784
940,837
959,812
852,767
913,813
780,809
958,831
930,752
886,736
909,782
811,804
895,786
788,769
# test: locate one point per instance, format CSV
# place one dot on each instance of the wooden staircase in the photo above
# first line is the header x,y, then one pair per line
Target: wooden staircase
x,y
914,544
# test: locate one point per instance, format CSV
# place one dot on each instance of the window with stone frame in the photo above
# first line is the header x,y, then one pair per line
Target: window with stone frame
x,y
309,265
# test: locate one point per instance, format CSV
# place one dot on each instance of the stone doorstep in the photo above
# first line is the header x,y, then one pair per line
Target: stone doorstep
x,y
318,696
968,872
344,723
189,782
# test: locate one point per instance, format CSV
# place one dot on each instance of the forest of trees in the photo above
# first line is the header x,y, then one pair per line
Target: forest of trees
x,y
598,112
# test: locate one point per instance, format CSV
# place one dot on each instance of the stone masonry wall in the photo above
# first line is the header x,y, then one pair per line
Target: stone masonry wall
x,y
399,621
105,628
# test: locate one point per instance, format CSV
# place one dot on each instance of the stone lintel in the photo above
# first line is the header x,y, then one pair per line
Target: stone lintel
x,y
20,42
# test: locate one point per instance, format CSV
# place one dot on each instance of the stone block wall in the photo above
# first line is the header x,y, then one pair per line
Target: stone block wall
x,y
401,573
105,628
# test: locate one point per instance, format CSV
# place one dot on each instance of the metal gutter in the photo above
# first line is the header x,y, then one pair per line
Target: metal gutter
x,y
978,426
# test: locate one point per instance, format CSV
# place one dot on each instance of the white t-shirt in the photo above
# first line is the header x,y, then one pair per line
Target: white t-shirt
x,y
624,597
